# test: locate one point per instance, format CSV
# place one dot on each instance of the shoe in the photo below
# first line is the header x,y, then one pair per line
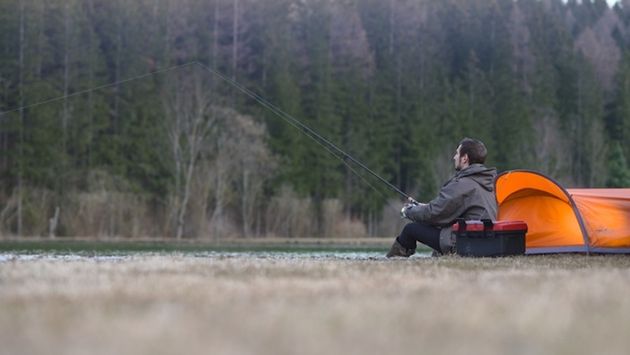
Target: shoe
x,y
436,254
398,250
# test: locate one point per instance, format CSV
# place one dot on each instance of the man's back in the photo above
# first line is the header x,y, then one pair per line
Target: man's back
x,y
469,195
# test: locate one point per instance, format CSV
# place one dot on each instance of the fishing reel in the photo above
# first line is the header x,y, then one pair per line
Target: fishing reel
x,y
410,203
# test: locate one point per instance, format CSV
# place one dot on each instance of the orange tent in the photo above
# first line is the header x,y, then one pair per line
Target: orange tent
x,y
565,220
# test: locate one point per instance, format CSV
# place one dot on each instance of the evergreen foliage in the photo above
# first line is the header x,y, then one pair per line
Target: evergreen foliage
x,y
395,83
618,171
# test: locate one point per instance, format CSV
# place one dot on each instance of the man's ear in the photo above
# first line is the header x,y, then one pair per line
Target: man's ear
x,y
465,156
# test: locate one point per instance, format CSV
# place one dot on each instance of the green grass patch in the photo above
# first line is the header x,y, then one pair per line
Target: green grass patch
x,y
124,247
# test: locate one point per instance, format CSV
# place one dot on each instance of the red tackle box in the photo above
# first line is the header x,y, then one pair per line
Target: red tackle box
x,y
490,238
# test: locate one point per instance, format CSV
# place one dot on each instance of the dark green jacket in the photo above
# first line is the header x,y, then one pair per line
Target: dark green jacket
x,y
469,194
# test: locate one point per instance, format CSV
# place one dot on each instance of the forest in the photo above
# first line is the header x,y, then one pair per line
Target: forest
x,y
114,121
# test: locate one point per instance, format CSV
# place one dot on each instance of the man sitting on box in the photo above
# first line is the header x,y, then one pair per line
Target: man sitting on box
x,y
469,194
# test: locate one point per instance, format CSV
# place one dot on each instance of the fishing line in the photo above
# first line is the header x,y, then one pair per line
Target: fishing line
x,y
280,113
332,148
354,171
306,130
81,92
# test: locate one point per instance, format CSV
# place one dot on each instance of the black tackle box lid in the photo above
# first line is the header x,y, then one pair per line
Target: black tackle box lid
x,y
488,225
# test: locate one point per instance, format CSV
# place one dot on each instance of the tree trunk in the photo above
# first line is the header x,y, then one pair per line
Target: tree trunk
x,y
234,39
391,27
91,69
52,224
40,40
246,201
177,156
4,135
217,215
215,38
167,37
578,142
21,93
66,71
258,224
185,197
399,122
116,113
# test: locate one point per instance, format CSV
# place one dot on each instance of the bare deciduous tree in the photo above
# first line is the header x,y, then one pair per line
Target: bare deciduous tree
x,y
523,60
290,216
190,119
218,154
550,151
599,47
21,140
349,47
242,161
255,164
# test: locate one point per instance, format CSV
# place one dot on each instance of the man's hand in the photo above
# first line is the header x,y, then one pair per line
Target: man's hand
x,y
410,203
405,208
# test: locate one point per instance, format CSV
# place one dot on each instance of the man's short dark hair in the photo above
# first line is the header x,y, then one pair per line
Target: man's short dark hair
x,y
475,149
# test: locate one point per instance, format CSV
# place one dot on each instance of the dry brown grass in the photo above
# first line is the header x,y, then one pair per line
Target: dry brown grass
x,y
165,304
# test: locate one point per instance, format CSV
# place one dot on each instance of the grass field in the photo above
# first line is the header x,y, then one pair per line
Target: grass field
x,y
311,303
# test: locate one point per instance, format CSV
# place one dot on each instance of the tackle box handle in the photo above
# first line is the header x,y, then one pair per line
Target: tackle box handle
x,y
487,227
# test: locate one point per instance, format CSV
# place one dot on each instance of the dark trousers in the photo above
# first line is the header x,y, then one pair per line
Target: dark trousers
x,y
418,232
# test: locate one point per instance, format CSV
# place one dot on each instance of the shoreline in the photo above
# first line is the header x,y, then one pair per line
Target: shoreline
x,y
169,244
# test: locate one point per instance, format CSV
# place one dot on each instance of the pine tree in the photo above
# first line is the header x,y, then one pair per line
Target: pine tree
x,y
618,171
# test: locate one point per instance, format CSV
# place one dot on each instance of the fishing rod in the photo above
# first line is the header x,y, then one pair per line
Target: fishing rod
x,y
292,121
329,146
308,131
100,87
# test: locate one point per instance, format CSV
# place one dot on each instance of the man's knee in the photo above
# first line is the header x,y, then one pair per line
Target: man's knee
x,y
409,228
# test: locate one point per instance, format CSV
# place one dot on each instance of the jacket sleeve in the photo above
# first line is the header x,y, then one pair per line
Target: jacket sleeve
x,y
443,209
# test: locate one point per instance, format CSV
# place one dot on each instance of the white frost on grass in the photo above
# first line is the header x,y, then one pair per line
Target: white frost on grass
x,y
16,256
273,255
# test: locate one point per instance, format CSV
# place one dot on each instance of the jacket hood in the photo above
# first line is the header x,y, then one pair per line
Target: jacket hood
x,y
480,174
